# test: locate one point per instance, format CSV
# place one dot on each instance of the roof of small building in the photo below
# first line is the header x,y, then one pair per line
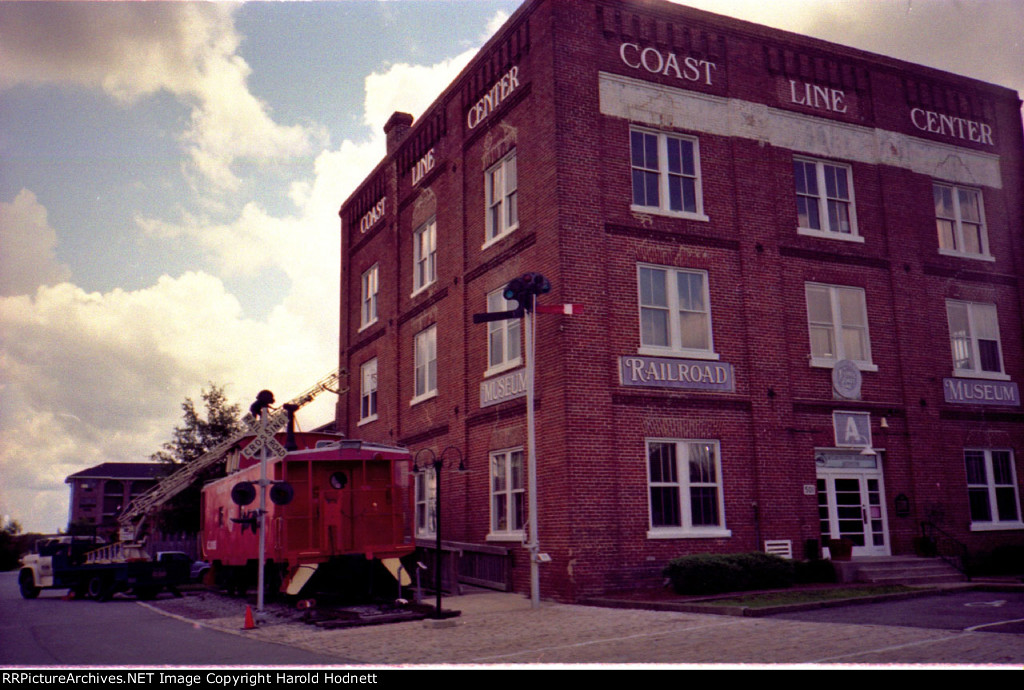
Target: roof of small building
x,y
123,470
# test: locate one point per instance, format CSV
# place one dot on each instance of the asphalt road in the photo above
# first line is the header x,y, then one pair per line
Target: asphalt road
x,y
998,612
502,629
50,631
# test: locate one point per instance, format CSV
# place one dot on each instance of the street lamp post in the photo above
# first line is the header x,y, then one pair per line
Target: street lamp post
x,y
436,463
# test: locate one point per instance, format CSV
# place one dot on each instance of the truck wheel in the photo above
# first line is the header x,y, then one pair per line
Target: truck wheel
x,y
99,588
27,585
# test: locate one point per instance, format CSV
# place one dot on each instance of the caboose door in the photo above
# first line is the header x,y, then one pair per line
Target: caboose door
x,y
336,518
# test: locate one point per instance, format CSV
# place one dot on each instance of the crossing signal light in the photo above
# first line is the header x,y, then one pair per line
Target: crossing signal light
x,y
515,290
536,284
243,493
522,291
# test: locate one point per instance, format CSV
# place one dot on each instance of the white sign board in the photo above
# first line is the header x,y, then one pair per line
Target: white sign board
x,y
852,429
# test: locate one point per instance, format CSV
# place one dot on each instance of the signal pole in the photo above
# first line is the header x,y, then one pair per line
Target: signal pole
x,y
267,446
524,291
263,517
533,546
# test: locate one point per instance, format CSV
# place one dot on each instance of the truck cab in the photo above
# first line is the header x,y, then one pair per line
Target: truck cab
x,y
50,555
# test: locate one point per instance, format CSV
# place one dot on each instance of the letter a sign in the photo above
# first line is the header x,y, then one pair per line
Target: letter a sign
x,y
852,429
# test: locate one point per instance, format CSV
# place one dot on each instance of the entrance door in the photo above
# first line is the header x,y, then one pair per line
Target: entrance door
x,y
850,507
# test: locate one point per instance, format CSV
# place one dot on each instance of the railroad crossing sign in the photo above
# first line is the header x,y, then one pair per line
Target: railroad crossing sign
x,y
265,436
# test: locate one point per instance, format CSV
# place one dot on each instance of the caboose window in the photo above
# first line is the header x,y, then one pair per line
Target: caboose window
x,y
508,495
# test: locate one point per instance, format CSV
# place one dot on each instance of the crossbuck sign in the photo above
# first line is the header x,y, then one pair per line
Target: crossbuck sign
x,y
265,436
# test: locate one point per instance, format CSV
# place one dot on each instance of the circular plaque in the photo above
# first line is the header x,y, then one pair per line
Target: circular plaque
x,y
846,380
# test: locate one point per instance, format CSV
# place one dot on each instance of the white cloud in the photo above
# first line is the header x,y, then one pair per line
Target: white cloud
x,y
27,243
305,246
90,378
134,50
409,88
983,39
495,23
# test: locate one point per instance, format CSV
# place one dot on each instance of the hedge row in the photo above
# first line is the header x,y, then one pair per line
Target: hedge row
x,y
732,572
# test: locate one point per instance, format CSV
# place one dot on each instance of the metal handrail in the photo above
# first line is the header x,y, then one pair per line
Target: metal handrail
x,y
944,544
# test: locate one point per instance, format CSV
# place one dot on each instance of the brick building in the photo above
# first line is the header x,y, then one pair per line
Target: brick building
x,y
801,269
100,493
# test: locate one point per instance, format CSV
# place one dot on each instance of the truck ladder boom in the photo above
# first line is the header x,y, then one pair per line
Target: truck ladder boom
x,y
182,478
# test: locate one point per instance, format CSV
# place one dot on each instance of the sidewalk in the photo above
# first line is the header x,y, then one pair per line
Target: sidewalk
x,y
499,628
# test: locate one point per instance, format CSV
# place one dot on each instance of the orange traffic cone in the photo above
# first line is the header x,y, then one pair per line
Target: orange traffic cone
x,y
250,624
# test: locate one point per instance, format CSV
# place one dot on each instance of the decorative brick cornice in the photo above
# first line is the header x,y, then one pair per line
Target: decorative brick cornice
x,y
676,237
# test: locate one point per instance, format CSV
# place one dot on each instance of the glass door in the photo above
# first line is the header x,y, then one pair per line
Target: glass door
x,y
850,507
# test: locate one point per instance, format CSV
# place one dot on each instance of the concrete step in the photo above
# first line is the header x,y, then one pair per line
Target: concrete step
x,y
915,579
907,570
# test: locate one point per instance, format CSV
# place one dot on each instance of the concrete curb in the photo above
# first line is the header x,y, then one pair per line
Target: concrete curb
x,y
707,605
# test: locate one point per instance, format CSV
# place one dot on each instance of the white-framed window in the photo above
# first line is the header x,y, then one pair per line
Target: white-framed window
x,y
666,173
684,479
974,339
369,288
504,346
508,494
824,200
960,220
675,312
502,201
426,502
992,489
425,375
837,322
368,391
424,255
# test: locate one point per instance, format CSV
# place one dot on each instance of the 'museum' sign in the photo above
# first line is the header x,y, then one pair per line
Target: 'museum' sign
x,y
664,372
501,388
981,392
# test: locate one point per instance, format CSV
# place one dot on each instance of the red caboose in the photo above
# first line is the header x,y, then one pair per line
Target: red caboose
x,y
351,505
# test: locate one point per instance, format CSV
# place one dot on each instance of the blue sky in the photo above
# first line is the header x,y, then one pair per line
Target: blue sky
x,y
170,175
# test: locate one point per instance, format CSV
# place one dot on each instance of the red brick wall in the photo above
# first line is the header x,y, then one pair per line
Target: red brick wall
x,y
576,227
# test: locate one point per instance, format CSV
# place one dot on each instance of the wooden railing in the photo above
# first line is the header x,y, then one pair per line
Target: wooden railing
x,y
483,565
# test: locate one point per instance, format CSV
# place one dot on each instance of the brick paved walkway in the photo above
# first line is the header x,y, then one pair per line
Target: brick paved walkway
x,y
502,629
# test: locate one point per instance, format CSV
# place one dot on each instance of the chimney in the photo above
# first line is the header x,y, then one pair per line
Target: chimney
x,y
395,129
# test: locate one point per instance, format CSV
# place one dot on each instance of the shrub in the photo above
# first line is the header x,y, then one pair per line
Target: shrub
x,y
1007,559
734,572
807,572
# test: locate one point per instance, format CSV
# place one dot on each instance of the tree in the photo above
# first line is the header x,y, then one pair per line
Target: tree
x,y
13,543
191,440
199,435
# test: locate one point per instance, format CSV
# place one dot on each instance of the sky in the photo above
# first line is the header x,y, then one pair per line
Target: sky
x,y
171,173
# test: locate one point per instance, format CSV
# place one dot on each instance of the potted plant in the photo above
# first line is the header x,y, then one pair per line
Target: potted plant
x,y
925,547
840,549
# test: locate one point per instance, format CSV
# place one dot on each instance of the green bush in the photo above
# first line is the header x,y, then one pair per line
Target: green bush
x,y
809,572
1007,559
732,572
